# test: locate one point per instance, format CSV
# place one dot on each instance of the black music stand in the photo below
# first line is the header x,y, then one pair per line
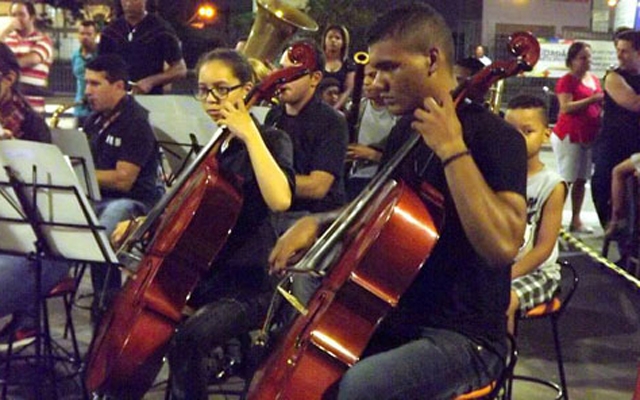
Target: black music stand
x,y
180,126
44,215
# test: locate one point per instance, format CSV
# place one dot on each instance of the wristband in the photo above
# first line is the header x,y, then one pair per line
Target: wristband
x,y
454,157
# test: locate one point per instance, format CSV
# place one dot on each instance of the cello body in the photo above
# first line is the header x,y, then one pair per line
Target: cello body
x,y
126,353
383,254
187,230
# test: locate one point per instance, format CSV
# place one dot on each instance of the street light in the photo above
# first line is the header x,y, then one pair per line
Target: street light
x,y
205,14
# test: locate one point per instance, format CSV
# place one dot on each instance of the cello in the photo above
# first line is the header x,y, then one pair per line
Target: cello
x,y
179,240
367,258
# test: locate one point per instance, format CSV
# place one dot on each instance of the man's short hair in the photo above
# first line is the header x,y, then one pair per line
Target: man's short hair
x,y
31,9
112,65
328,82
419,26
630,36
89,23
529,102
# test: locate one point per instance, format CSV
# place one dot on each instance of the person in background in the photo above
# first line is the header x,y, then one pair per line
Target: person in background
x,y
319,135
464,69
329,89
619,136
335,45
621,172
87,36
34,50
535,276
374,125
17,274
125,153
448,334
481,55
17,118
580,97
146,42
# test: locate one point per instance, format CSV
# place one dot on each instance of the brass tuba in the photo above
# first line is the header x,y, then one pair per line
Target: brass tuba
x,y
275,23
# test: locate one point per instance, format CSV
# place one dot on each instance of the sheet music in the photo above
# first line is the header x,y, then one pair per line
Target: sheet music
x,y
174,117
54,205
74,143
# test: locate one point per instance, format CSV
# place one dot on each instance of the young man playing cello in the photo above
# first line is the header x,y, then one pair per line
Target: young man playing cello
x,y
449,331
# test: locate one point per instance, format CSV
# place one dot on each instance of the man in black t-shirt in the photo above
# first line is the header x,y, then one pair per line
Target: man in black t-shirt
x,y
146,42
319,135
124,149
447,335
619,135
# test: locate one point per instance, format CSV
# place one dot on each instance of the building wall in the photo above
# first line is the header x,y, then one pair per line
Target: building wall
x,y
555,13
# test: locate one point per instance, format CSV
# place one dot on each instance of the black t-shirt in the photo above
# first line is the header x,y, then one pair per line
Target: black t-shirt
x,y
145,48
128,137
456,289
619,136
341,75
319,135
241,264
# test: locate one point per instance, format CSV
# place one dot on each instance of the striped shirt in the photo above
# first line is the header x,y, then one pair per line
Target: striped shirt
x,y
37,75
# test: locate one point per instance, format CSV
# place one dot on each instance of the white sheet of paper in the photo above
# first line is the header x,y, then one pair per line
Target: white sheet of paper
x,y
54,205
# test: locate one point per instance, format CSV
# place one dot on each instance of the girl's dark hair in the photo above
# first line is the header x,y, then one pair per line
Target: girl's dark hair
x,y
237,62
574,49
8,60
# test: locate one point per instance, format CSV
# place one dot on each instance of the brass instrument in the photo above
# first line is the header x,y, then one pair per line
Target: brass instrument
x,y
57,113
275,23
495,96
361,59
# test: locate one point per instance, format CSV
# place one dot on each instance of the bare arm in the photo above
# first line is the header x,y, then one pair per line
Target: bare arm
x,y
621,92
29,60
272,181
299,238
315,185
122,178
568,105
177,70
357,151
493,221
547,234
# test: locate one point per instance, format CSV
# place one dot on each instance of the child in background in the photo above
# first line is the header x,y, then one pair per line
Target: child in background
x,y
329,89
535,274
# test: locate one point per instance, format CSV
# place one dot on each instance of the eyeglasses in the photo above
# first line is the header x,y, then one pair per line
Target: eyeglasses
x,y
218,92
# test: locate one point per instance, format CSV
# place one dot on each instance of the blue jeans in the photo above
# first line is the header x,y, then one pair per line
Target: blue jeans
x,y
107,281
440,364
18,286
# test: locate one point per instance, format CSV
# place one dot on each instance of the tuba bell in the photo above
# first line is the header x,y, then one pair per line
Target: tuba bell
x,y
275,23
